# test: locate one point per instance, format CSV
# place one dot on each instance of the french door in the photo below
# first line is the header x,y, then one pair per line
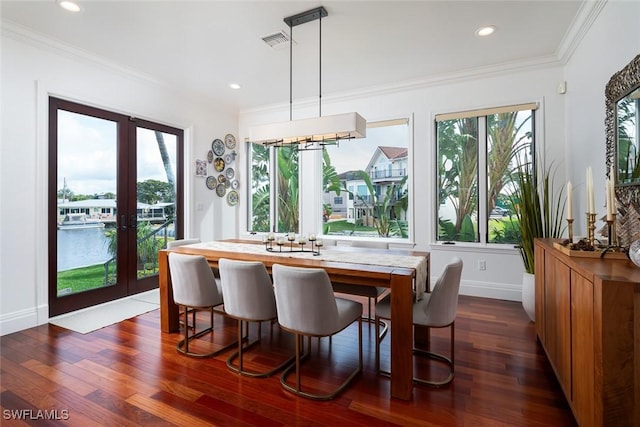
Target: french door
x,y
115,199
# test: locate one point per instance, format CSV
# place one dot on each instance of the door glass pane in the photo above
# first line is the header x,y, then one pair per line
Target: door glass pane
x,y
458,174
155,195
86,182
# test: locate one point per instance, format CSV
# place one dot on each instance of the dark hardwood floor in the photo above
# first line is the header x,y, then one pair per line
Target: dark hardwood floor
x,y
131,374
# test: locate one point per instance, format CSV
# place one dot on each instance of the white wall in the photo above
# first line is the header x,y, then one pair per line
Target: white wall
x,y
33,68
613,41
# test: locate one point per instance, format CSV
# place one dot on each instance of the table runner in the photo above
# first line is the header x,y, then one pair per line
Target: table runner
x,y
419,263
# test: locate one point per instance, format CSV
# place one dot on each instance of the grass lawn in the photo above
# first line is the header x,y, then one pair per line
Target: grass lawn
x,y
92,277
84,278
343,225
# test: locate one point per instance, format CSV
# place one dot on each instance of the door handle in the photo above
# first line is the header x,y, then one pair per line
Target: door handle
x,y
123,223
134,221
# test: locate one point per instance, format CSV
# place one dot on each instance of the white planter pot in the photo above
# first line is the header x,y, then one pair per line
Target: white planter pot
x,y
529,295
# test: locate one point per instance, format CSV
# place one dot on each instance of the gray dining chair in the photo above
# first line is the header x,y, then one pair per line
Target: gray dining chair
x,y
307,307
248,297
437,309
174,244
194,287
372,293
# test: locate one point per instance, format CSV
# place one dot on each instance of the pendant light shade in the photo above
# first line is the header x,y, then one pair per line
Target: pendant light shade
x,y
325,129
321,130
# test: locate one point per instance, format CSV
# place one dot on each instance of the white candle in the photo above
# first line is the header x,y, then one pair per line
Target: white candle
x,y
591,207
569,200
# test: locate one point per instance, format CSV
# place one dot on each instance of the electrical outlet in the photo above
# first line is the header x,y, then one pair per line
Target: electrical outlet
x,y
482,264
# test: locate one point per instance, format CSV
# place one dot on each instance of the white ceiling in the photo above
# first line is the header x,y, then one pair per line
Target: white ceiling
x,y
199,47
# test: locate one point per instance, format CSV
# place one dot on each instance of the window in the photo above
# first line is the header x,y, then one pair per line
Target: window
x,y
476,152
373,172
259,218
285,212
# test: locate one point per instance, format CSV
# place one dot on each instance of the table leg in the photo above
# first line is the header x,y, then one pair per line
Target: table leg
x,y
401,336
169,315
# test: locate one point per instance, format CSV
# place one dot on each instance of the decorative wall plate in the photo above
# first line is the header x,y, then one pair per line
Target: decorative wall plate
x,y
235,184
232,198
221,190
211,182
201,168
218,147
228,158
230,141
222,179
218,164
210,156
230,173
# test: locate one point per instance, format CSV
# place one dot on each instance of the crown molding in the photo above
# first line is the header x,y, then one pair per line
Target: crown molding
x,y
548,61
582,22
25,35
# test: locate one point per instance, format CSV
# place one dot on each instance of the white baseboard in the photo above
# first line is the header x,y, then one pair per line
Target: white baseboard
x,y
19,320
500,291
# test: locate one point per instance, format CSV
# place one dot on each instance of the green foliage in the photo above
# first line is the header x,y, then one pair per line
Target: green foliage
x,y
260,188
382,208
153,191
288,189
538,210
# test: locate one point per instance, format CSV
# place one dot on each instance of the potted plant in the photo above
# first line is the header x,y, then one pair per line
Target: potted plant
x,y
538,213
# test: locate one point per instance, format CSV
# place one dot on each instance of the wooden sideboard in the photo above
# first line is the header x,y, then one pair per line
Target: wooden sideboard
x,y
588,321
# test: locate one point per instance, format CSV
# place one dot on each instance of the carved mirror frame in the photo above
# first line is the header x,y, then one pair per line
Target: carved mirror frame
x,y
627,195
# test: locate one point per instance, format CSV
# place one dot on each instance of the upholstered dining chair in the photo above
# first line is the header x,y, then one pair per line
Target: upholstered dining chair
x,y
174,244
437,309
248,297
371,292
194,287
307,307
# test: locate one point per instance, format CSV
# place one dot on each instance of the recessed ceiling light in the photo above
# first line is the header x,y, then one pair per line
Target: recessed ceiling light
x,y
485,31
234,85
69,5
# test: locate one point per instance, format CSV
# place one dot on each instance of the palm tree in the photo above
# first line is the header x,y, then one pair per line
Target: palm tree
x,y
288,189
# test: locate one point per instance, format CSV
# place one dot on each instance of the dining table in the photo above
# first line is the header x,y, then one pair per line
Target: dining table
x,y
405,272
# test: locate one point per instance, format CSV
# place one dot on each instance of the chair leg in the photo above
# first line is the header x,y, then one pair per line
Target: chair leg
x,y
242,348
183,345
439,358
299,358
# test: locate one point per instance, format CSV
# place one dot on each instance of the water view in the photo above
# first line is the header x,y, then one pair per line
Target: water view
x,y
81,248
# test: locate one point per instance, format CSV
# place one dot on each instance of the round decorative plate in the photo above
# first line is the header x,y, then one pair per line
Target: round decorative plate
x,y
230,141
218,147
221,190
232,198
235,184
230,173
211,182
228,158
210,156
634,252
218,164
222,179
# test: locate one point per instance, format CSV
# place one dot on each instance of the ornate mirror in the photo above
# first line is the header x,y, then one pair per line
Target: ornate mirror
x,y
623,147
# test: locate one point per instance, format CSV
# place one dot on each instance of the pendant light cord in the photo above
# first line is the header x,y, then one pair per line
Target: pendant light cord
x,y
290,72
320,67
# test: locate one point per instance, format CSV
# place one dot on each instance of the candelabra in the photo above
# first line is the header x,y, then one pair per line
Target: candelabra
x,y
570,226
591,228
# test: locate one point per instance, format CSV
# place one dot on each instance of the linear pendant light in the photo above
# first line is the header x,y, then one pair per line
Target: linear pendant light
x,y
322,130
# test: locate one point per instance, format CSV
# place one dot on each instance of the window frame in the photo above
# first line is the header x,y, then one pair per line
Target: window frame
x,y
482,177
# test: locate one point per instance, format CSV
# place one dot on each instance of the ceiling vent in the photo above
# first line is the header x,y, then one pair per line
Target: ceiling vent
x,y
278,40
